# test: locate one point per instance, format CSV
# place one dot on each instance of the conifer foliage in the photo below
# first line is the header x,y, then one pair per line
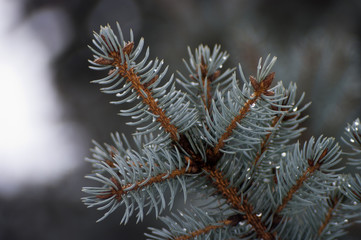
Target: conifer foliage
x,y
233,143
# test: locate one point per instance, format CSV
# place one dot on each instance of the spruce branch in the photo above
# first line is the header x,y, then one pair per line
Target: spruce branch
x,y
240,203
333,202
234,145
260,88
142,79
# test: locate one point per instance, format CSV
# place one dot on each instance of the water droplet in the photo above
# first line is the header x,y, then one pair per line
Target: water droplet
x,y
345,221
351,140
284,154
348,129
210,59
118,95
295,109
357,122
184,229
334,184
224,58
241,223
259,214
249,178
253,105
180,213
259,67
354,203
348,185
270,163
248,169
220,66
278,167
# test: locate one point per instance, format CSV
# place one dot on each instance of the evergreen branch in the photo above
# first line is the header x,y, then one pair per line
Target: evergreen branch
x,y
265,141
230,143
141,89
169,111
205,230
206,84
131,178
205,75
118,191
260,88
353,141
196,223
239,203
285,122
307,174
333,204
148,99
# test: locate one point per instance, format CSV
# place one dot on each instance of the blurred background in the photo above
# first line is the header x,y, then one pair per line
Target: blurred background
x,y
50,112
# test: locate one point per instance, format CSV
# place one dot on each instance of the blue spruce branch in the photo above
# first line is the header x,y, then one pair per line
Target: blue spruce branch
x,y
233,145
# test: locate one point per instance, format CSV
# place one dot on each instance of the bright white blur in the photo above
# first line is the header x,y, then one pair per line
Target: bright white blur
x,y
36,146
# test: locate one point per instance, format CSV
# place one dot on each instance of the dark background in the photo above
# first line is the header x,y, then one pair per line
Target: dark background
x,y
317,44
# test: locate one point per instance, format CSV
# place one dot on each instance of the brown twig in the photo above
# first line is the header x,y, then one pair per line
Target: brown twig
x,y
205,230
142,89
334,201
307,174
120,190
265,140
239,203
260,88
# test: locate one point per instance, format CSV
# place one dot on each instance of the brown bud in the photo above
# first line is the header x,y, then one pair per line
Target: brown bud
x,y
267,81
103,61
254,83
128,48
